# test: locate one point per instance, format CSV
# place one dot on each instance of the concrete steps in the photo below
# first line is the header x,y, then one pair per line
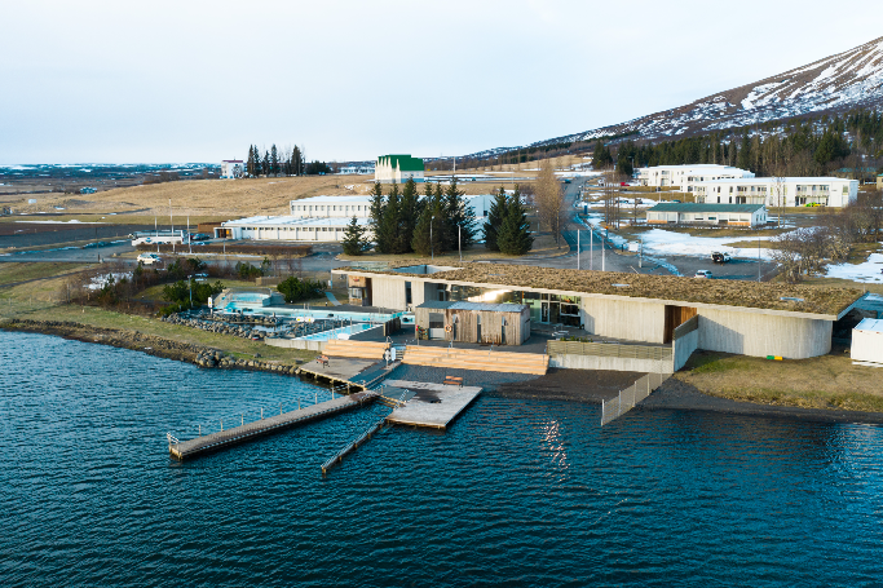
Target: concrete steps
x,y
477,359
355,349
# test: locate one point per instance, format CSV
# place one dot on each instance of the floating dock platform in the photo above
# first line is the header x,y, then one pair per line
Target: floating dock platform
x,y
215,441
433,405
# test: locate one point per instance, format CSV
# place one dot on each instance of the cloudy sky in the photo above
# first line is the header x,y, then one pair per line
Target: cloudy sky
x,y
192,81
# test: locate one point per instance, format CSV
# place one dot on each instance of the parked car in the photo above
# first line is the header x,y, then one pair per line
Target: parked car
x,y
703,274
149,258
718,257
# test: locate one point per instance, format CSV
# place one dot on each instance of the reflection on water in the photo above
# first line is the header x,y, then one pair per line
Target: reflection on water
x,y
518,492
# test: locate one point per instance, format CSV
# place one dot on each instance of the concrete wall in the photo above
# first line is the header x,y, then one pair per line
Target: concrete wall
x,y
760,335
620,364
684,347
296,344
388,293
624,319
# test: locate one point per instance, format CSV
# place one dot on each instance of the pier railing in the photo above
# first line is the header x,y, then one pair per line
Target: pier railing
x,y
628,398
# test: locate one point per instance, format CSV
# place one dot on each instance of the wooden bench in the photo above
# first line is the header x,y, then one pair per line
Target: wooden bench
x,y
454,381
323,360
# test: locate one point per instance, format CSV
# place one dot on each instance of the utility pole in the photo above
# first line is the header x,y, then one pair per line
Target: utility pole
x,y
577,249
591,248
431,242
460,241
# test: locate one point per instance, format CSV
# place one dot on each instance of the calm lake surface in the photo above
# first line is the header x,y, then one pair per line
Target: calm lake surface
x,y
518,493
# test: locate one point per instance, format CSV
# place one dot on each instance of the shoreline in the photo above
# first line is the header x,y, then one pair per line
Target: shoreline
x,y
199,355
578,386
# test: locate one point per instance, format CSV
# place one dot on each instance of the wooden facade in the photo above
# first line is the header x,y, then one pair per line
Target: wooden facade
x,y
471,322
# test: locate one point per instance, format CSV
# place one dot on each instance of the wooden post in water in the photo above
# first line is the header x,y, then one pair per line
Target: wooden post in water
x,y
298,404
200,430
243,419
222,425
262,413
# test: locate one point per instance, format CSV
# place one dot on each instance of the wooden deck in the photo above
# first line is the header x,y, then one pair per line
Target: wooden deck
x,y
477,359
433,405
213,442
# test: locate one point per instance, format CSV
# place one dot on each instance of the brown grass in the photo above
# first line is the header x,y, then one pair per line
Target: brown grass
x,y
830,381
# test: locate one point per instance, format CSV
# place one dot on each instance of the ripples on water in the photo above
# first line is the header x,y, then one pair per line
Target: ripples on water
x,y
517,492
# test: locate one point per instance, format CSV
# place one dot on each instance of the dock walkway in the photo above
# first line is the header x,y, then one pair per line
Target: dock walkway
x,y
215,441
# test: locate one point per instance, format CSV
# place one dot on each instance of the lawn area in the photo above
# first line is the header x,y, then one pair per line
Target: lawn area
x,y
830,381
11,273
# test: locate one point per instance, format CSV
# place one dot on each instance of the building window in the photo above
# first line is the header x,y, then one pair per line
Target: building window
x,y
436,320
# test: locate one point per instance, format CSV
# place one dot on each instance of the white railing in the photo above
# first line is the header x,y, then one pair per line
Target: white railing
x,y
628,398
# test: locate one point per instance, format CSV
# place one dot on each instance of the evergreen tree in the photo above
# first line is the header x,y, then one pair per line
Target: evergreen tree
x,y
376,216
390,224
495,218
265,165
250,163
409,213
514,237
601,156
459,219
274,160
428,240
354,241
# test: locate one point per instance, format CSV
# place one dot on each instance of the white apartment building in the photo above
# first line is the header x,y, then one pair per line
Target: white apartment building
x,y
687,176
398,169
232,169
774,192
323,219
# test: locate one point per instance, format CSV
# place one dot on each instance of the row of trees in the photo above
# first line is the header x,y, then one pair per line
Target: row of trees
x,y
805,147
275,162
507,229
402,222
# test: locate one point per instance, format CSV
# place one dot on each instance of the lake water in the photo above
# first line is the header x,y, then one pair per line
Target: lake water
x,y
516,493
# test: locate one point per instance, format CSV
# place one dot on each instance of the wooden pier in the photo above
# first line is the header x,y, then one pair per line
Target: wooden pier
x,y
194,447
365,437
433,405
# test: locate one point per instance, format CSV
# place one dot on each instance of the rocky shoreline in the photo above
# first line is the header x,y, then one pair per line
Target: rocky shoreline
x,y
199,355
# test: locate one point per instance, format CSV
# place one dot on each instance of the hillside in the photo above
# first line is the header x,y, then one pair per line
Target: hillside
x,y
847,80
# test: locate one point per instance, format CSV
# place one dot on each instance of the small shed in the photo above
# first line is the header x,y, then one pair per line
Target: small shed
x,y
474,322
867,342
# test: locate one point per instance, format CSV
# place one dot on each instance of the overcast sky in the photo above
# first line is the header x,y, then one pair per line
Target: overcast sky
x,y
188,81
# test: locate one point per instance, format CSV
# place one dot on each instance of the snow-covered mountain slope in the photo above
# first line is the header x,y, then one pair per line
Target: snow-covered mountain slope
x,y
847,80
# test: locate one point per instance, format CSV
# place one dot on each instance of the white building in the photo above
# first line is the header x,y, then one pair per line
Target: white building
x,y
740,215
773,192
867,342
232,169
352,170
686,176
323,218
397,169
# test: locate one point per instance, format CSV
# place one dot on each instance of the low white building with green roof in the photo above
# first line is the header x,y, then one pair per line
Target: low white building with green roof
x,y
398,169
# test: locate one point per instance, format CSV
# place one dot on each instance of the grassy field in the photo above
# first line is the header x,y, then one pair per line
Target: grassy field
x,y
830,381
204,200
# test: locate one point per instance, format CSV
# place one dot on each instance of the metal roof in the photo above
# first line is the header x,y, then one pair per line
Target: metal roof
x,y
487,307
706,207
869,324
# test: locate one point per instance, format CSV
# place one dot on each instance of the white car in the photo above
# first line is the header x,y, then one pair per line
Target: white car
x,y
703,274
149,258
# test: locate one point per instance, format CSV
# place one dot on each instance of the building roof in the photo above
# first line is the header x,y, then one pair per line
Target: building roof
x,y
774,297
294,221
869,324
708,207
463,305
801,180
326,199
404,162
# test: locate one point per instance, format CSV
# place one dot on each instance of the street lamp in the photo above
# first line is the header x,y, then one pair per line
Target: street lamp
x,y
431,242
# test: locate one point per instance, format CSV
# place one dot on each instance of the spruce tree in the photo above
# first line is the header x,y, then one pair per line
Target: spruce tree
x,y
495,218
514,237
390,223
354,241
376,216
250,164
274,160
409,213
459,219
265,165
427,241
